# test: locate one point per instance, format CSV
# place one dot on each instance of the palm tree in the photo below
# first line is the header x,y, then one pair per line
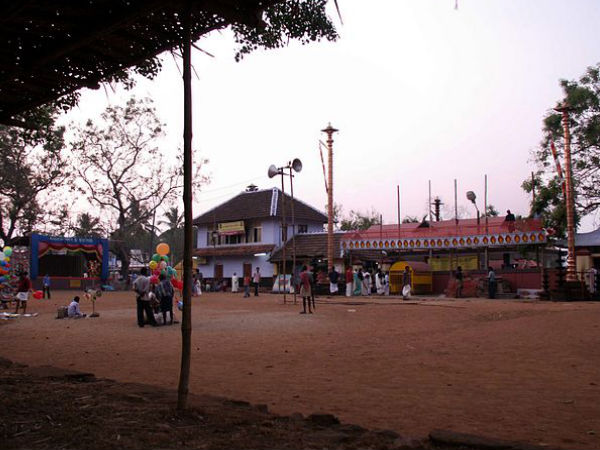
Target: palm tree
x,y
174,219
174,232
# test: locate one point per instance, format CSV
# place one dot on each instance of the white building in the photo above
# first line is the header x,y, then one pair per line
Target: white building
x,y
240,234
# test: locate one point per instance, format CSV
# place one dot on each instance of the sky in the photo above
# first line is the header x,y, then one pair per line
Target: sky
x,y
419,91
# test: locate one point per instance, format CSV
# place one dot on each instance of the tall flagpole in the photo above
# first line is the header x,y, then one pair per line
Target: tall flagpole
x,y
564,109
329,131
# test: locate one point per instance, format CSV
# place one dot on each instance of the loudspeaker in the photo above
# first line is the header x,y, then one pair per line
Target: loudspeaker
x,y
297,165
273,171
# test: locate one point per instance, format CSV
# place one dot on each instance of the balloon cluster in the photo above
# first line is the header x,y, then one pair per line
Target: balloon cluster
x,y
5,272
159,265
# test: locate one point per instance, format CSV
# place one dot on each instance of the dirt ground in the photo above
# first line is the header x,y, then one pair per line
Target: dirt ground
x,y
515,370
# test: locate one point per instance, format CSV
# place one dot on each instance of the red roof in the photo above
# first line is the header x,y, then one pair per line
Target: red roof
x,y
444,228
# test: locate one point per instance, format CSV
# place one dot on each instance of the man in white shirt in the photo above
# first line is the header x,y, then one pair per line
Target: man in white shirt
x,y
256,281
141,286
235,282
74,311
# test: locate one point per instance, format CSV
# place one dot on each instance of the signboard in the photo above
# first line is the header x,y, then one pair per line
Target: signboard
x,y
283,284
231,228
443,263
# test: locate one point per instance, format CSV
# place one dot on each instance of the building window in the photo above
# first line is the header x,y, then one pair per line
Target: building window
x,y
256,234
302,229
234,239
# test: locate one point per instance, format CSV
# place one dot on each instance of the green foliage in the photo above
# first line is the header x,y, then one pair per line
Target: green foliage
x,y
32,166
583,96
173,235
304,20
357,220
491,211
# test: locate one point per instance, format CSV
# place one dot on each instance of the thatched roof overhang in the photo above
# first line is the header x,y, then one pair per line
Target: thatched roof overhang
x,y
52,49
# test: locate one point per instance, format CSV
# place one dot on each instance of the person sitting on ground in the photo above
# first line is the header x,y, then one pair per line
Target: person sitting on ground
x,y
74,312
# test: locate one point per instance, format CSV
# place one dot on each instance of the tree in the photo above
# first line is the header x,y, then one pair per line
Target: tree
x,y
173,234
583,96
87,226
124,173
491,211
358,220
410,219
32,166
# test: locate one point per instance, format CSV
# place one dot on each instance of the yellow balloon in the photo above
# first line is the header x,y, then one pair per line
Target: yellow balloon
x,y
162,249
152,265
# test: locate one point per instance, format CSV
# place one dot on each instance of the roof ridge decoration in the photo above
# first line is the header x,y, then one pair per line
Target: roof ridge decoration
x,y
274,198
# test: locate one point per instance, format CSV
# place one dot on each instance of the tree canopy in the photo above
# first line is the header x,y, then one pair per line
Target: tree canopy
x,y
32,165
583,96
124,173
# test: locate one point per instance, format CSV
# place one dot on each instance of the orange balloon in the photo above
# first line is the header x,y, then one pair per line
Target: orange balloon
x,y
162,249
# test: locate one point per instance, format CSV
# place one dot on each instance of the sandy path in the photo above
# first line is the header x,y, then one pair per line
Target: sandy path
x,y
512,370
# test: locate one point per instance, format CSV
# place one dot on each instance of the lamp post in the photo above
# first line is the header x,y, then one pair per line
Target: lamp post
x,y
296,166
472,197
564,109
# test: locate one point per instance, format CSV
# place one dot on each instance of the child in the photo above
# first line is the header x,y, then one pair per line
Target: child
x,y
247,286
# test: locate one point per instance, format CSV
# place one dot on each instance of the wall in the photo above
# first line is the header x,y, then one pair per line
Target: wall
x,y
236,264
524,279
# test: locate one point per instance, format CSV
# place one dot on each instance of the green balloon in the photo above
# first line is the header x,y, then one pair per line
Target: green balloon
x,y
163,272
156,257
165,258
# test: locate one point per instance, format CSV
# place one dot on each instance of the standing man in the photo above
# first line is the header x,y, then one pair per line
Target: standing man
x,y
165,293
334,277
256,281
141,286
305,289
406,283
235,283
492,283
46,286
349,281
510,220
459,281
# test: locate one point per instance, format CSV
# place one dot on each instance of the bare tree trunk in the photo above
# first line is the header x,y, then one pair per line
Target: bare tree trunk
x,y
186,321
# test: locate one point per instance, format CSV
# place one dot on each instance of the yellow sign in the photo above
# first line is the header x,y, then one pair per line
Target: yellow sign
x,y
231,227
443,263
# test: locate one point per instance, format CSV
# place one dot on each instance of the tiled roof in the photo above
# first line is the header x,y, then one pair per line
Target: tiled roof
x,y
465,227
591,239
234,250
260,204
309,245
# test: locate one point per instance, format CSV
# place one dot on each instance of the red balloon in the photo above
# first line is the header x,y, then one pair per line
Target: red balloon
x,y
154,279
38,295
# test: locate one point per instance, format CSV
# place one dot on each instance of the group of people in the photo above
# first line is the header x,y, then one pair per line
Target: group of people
x,y
359,282
153,301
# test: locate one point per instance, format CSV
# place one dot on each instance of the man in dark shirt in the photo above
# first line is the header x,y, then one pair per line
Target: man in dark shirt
x,y
510,220
334,277
459,281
